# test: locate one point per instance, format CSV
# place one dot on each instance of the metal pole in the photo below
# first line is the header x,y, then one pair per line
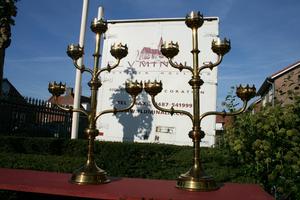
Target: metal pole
x,y
77,90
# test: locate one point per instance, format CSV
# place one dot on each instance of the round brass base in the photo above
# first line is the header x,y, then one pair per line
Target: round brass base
x,y
205,183
87,175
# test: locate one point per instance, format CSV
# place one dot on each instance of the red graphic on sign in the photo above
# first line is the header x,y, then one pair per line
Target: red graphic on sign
x,y
149,53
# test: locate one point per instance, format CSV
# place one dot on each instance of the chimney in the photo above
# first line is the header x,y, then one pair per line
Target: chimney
x,y
69,91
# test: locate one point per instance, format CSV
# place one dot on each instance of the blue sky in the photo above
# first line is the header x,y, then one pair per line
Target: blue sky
x,y
264,36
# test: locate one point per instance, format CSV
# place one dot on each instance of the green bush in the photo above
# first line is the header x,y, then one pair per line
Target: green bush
x,y
266,146
142,160
139,160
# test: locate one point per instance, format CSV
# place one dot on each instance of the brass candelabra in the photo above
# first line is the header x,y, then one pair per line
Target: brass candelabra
x,y
90,173
196,179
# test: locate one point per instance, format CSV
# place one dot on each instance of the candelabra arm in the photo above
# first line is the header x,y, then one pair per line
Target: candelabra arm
x,y
224,113
211,65
115,110
70,109
60,106
109,67
82,68
179,66
81,111
171,110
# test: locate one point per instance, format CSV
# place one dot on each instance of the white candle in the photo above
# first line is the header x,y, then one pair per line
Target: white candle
x,y
100,12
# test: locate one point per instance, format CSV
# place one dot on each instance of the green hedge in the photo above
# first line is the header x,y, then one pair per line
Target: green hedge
x,y
142,160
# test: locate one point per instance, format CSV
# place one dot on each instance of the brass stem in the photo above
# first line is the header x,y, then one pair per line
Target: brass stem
x,y
97,53
90,155
195,50
196,83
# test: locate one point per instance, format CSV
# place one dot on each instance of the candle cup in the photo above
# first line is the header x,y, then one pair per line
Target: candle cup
x,y
153,88
133,88
169,50
99,26
56,89
119,51
220,47
194,20
246,93
74,51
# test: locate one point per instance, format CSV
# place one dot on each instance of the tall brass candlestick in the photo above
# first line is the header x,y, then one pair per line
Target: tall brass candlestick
x,y
196,179
90,173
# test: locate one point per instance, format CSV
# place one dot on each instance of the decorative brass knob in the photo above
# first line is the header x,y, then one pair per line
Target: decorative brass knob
x,y
99,26
246,93
119,51
153,88
220,47
170,49
56,89
194,20
133,88
74,51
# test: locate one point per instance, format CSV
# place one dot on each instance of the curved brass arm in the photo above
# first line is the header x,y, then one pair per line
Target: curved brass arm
x,y
179,66
82,68
171,110
69,109
115,110
108,68
224,113
211,65
81,111
64,108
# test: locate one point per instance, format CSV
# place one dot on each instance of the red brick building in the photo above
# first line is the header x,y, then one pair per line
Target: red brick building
x,y
281,86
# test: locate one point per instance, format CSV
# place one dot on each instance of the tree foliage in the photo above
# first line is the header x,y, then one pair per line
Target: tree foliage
x,y
230,102
8,11
267,146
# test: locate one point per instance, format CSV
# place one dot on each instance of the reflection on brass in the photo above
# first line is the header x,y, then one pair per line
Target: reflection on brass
x,y
90,173
195,179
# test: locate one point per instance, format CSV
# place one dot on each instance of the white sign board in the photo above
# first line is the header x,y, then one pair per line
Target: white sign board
x,y
145,62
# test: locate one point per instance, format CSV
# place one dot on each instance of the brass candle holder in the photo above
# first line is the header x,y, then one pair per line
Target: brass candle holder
x,y
90,173
196,179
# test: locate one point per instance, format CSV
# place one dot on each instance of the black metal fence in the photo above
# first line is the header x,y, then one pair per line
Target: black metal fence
x,y
36,118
